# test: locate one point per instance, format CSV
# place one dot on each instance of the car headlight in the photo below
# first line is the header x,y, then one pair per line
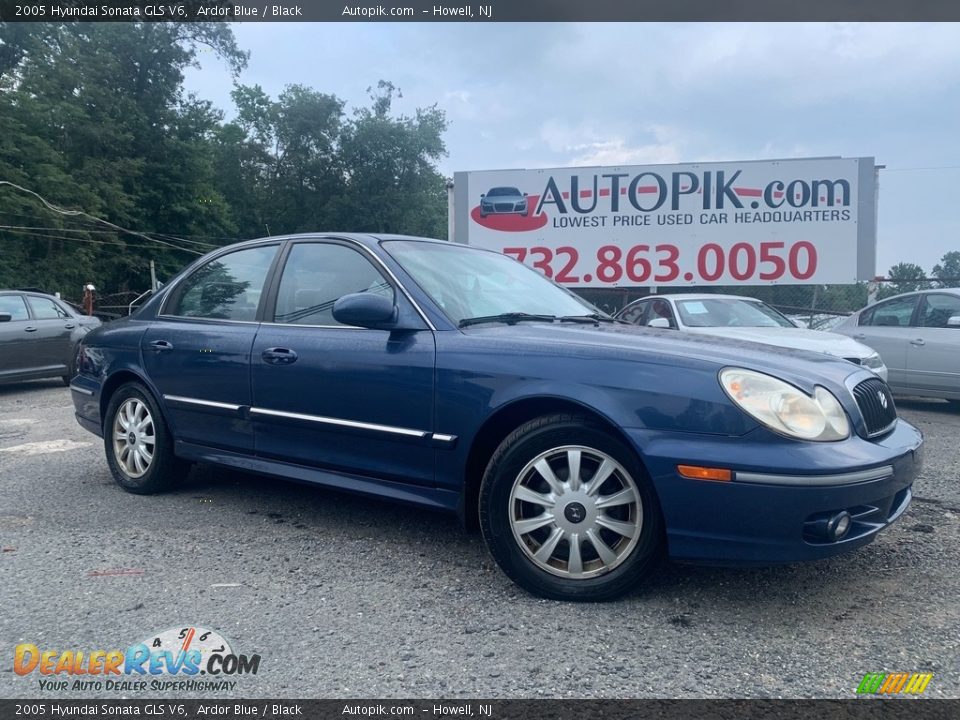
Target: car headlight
x,y
784,408
872,361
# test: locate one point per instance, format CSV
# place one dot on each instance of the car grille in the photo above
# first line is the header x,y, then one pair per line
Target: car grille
x,y
876,405
504,207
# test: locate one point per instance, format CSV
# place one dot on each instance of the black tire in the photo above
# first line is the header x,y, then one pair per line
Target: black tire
x,y
164,470
511,465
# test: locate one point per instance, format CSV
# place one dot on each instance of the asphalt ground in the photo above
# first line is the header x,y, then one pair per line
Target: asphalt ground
x,y
344,596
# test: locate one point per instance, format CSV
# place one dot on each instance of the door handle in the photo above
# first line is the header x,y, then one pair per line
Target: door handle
x,y
918,342
69,326
279,356
160,346
30,328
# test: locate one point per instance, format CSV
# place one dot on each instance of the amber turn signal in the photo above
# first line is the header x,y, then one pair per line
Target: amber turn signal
x,y
695,472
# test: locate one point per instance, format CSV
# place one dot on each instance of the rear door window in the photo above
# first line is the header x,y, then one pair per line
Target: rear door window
x,y
227,288
893,313
46,309
14,305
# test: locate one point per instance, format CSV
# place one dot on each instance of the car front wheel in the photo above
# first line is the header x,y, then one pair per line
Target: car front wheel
x,y
138,445
567,511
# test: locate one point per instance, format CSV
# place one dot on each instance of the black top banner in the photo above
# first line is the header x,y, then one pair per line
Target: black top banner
x,y
482,11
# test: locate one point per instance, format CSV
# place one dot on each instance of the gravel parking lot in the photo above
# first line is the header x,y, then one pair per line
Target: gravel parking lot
x,y
350,597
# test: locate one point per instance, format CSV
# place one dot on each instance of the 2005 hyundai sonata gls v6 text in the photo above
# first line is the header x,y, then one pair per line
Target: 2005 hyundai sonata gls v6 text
x,y
458,379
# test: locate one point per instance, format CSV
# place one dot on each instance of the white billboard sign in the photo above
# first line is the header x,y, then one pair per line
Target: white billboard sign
x,y
756,223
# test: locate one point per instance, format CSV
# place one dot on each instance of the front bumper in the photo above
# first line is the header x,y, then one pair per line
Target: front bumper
x,y
780,489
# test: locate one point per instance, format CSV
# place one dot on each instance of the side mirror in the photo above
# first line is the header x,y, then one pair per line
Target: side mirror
x,y
524,194
7,317
953,321
659,323
365,310
482,195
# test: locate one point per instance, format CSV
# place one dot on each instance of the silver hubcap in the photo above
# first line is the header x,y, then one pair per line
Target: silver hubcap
x,y
575,512
134,439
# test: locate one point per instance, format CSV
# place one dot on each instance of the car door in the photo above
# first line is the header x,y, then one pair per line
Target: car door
x,y
197,351
339,397
933,349
15,341
53,344
886,327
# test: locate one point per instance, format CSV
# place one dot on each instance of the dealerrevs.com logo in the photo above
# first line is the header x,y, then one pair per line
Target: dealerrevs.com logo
x,y
186,659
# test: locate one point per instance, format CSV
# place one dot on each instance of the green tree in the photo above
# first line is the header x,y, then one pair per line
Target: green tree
x,y
103,106
905,277
286,154
392,184
948,269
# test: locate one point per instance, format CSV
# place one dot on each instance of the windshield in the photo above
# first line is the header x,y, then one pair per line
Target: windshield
x,y
469,283
729,312
503,192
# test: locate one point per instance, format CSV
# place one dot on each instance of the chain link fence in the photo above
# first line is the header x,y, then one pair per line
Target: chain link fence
x,y
814,306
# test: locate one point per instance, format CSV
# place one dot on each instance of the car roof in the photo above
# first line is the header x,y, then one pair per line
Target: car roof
x,y
928,291
369,239
27,292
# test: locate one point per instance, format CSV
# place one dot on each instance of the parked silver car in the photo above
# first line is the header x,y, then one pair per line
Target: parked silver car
x,y
918,336
744,318
38,336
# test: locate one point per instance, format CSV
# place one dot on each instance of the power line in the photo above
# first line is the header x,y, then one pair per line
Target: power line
x,y
181,236
116,244
80,213
96,232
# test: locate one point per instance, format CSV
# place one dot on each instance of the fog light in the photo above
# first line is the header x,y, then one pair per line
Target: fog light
x,y
839,525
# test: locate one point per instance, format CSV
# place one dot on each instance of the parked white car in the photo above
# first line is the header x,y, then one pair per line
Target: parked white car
x,y
744,318
918,336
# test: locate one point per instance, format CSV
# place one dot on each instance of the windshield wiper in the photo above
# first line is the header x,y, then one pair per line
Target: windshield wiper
x,y
509,318
591,319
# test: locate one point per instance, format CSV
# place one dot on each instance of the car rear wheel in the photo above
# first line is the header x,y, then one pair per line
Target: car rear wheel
x,y
138,445
567,511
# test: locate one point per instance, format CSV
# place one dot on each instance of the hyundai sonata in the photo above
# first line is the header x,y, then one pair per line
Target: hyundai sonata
x,y
458,379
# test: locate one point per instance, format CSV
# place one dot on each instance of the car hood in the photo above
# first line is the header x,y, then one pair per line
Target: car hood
x,y
796,338
665,347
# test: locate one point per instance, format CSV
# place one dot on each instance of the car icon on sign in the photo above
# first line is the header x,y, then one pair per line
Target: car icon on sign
x,y
503,201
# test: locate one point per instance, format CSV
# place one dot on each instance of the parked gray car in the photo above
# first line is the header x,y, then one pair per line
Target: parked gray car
x,y
918,336
38,336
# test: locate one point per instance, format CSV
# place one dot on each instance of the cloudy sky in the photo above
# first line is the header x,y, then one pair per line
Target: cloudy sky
x,y
557,94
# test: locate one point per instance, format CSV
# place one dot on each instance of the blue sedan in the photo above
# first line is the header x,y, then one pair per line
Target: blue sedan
x,y
458,379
